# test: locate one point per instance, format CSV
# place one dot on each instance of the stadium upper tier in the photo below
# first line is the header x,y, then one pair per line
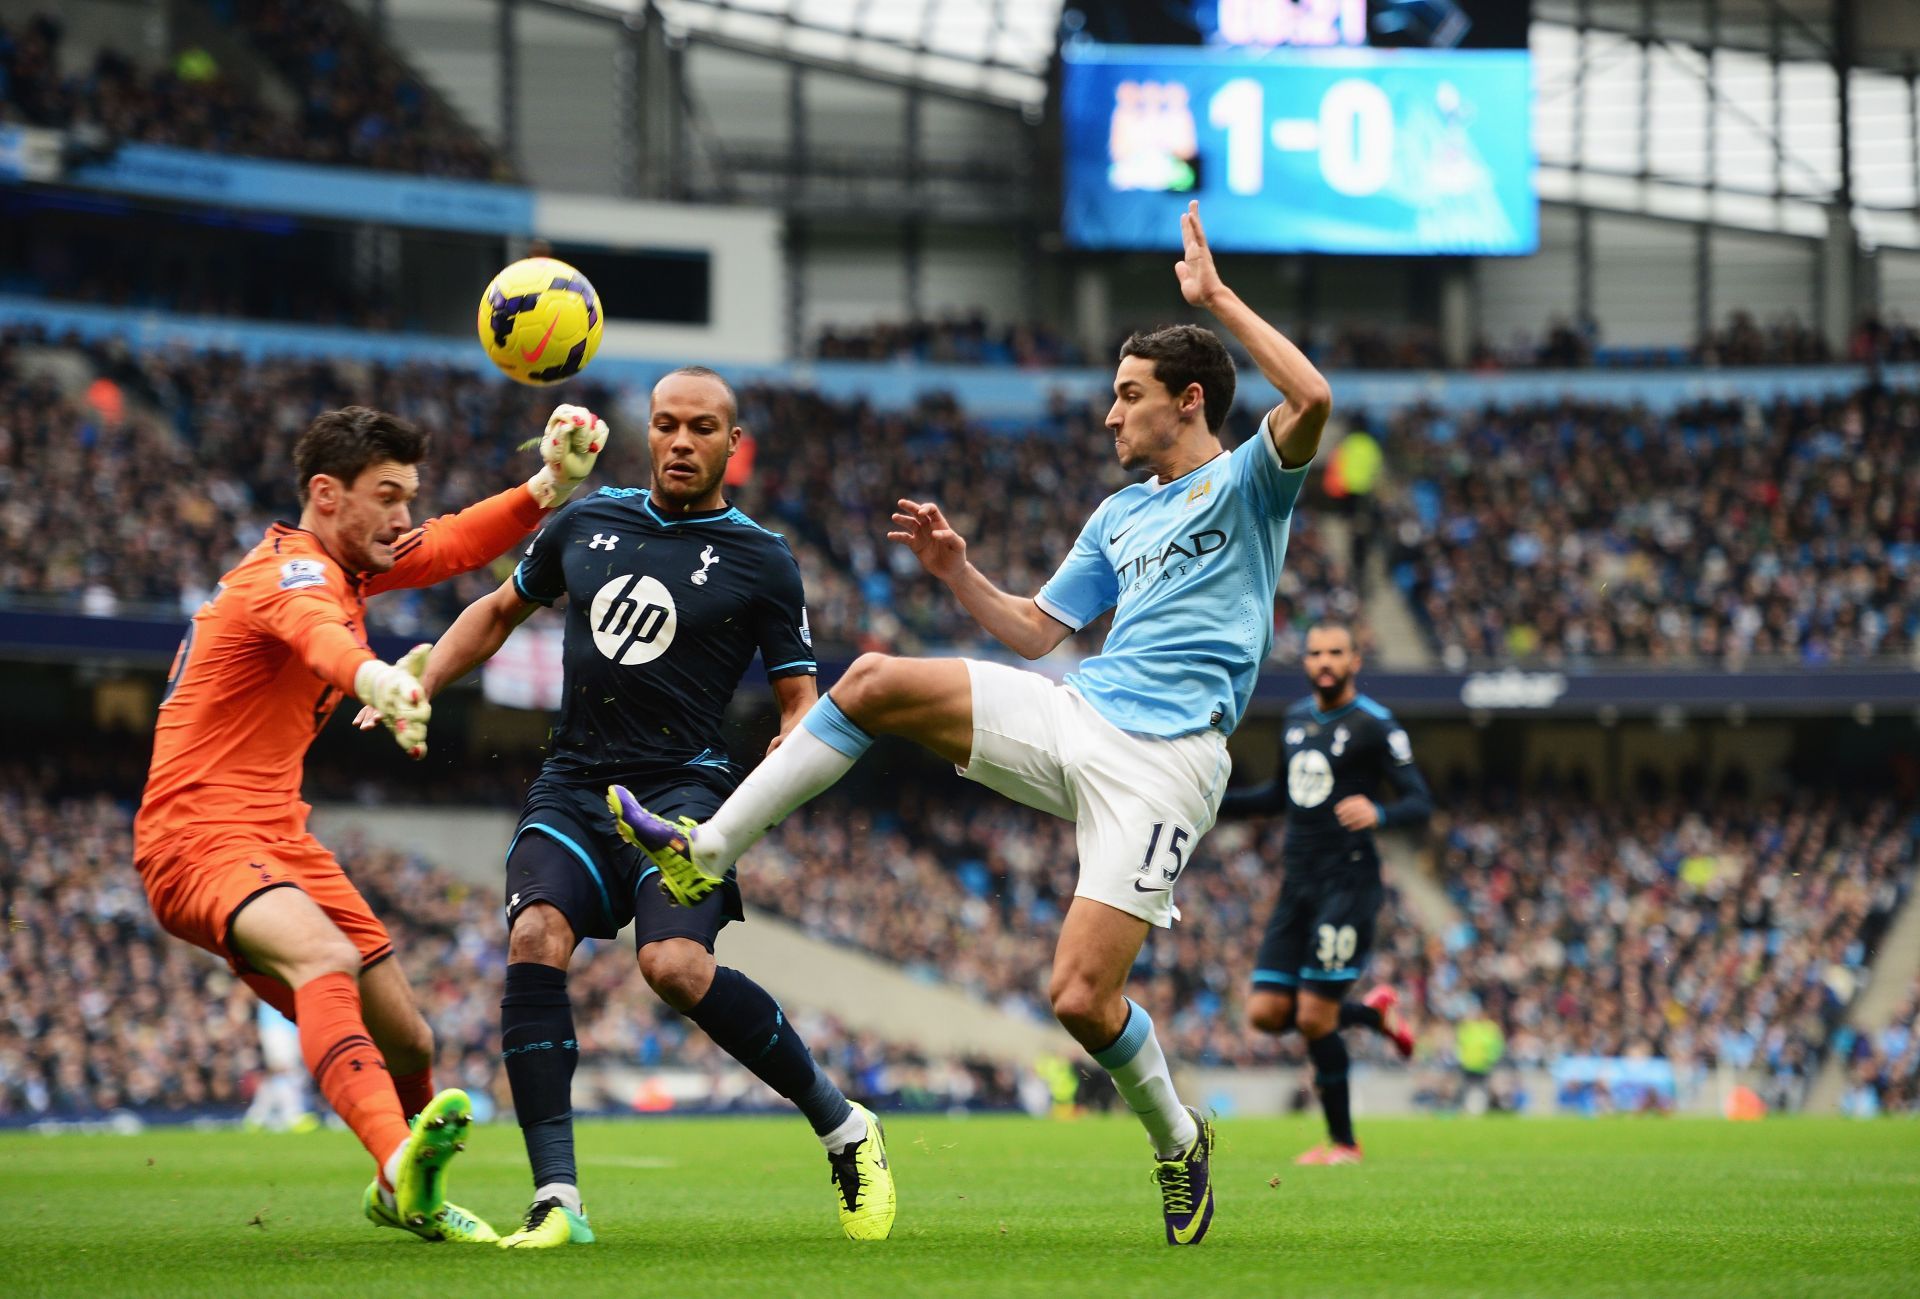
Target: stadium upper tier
x,y
354,101
1564,532
968,338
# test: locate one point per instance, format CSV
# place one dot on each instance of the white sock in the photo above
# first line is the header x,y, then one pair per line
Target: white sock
x,y
1139,1070
852,1130
565,1192
814,755
390,1173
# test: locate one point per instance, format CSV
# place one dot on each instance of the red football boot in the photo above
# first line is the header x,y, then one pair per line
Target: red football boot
x,y
1328,1156
1385,1000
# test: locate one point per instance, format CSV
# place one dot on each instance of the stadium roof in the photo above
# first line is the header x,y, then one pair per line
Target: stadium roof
x,y
996,49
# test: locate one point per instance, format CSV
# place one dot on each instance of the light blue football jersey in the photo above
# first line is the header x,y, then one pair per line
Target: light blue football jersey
x,y
1189,567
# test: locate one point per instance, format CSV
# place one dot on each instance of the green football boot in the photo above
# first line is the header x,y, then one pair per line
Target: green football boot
x,y
548,1224
864,1184
439,1133
452,1223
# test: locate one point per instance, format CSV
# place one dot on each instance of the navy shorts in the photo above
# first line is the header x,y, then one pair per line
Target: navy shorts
x,y
567,853
1319,936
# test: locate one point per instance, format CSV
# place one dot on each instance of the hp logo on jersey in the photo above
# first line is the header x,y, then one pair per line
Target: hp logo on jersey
x,y
1309,778
633,620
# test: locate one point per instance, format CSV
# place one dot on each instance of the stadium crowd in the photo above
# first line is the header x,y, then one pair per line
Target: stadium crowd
x,y
1731,932
1883,1066
960,339
1728,935
100,1010
1723,532
359,105
1563,533
185,496
968,338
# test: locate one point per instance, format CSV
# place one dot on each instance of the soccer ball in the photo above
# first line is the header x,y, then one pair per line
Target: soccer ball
x,y
540,321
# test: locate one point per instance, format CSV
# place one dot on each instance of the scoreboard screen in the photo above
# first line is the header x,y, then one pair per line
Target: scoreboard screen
x,y
1290,150
1266,24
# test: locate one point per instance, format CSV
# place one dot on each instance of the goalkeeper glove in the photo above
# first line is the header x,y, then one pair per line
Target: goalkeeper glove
x,y
393,691
568,448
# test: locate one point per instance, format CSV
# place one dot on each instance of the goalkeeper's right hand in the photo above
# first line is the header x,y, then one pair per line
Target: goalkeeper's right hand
x,y
393,693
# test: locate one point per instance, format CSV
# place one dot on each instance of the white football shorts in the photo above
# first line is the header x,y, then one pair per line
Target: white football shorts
x,y
1139,803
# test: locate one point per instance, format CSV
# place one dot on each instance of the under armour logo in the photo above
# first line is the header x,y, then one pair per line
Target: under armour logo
x,y
513,902
603,541
707,560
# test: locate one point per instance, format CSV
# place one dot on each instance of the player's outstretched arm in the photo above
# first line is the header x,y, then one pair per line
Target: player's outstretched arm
x,y
459,543
1015,621
476,636
1296,423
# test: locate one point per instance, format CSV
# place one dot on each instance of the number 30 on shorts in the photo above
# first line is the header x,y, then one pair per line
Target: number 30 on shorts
x,y
1336,946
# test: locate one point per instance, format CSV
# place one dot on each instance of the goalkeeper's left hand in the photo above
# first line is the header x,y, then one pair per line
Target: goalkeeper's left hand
x,y
572,442
393,694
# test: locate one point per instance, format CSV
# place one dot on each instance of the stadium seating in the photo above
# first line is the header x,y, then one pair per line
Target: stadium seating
x,y
359,103
1559,534
104,1011
968,338
1883,1067
1720,534
827,475
1730,935
961,339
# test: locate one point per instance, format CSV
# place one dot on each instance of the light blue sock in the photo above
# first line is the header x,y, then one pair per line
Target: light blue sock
x,y
1139,1070
835,729
816,753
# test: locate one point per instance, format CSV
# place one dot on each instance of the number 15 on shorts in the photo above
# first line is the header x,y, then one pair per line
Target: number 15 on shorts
x,y
1166,851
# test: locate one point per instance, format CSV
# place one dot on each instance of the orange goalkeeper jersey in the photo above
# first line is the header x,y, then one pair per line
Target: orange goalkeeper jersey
x,y
268,658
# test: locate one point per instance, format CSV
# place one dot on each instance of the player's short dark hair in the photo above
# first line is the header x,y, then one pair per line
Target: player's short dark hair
x,y
1335,624
706,372
342,443
1184,354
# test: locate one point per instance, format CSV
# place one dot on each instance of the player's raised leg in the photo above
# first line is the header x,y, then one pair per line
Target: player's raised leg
x,y
540,1051
1379,1010
282,932
745,1021
1319,1022
929,701
1098,944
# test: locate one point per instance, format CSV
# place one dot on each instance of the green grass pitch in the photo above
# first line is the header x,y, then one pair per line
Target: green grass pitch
x,y
699,1209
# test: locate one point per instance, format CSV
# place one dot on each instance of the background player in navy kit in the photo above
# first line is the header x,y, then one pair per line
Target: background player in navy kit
x,y
670,594
1338,749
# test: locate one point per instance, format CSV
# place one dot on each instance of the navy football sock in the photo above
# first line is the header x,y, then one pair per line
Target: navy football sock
x,y
1329,1056
748,1024
1355,1015
537,1043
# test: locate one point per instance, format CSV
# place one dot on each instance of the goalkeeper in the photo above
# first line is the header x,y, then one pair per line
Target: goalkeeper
x,y
221,839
